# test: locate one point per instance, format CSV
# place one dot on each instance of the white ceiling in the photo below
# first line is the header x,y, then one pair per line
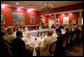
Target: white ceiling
x,y
38,4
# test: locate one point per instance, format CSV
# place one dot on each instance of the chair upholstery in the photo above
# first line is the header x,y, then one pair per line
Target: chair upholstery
x,y
74,36
64,43
52,48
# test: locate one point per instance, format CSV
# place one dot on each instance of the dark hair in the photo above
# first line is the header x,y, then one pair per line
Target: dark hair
x,y
58,30
67,29
5,26
8,29
13,28
50,32
19,33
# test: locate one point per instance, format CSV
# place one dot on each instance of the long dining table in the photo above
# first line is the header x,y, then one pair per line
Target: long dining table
x,y
32,39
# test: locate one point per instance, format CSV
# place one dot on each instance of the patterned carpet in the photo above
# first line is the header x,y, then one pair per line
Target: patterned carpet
x,y
77,50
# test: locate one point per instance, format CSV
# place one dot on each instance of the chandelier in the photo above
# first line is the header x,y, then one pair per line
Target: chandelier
x,y
47,7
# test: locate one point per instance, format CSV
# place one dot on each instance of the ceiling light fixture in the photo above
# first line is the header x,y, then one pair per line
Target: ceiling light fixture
x,y
28,10
3,5
18,8
47,7
21,7
31,7
63,14
17,3
70,13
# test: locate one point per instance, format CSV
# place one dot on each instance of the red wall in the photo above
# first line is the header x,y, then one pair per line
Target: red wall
x,y
69,7
66,8
8,15
74,15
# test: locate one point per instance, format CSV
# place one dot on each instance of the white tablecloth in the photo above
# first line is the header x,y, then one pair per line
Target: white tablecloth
x,y
30,42
35,32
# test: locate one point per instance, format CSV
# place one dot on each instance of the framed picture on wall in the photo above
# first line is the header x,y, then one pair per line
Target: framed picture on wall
x,y
43,20
2,19
65,20
32,19
18,18
73,21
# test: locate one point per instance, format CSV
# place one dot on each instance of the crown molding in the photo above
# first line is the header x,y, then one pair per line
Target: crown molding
x,y
79,10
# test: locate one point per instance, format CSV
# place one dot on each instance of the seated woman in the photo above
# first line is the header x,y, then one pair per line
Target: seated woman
x,y
44,49
5,49
8,36
21,29
40,27
26,28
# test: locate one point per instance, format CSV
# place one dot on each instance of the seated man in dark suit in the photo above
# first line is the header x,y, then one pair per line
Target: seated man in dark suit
x,y
18,46
53,26
77,31
30,28
59,50
61,27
